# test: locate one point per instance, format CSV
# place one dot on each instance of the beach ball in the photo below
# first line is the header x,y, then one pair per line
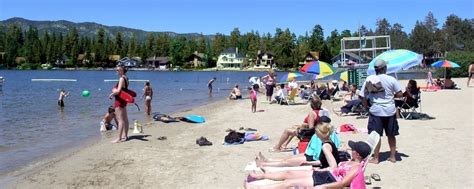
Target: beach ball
x,y
86,93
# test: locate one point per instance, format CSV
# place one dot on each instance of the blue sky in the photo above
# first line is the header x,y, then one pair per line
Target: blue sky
x,y
212,16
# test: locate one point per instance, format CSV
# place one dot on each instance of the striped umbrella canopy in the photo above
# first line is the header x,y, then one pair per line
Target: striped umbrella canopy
x,y
320,68
445,64
344,76
289,76
397,60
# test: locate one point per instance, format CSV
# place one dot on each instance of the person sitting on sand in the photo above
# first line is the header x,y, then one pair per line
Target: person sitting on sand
x,y
106,124
351,99
339,177
448,83
309,122
281,93
321,150
439,82
235,93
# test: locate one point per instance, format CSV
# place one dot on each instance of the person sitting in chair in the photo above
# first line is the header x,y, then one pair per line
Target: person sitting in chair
x,y
410,97
351,99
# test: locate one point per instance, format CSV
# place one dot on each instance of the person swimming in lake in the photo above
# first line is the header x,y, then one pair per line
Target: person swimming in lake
x,y
106,123
62,95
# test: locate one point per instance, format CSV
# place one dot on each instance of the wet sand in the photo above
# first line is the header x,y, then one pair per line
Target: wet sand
x,y
435,153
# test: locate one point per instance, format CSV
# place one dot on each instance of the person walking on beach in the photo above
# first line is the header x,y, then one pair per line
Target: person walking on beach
x,y
470,73
379,90
62,95
148,96
253,99
120,105
270,82
209,84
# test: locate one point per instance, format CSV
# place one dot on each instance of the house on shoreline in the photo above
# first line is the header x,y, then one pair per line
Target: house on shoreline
x,y
230,59
196,60
310,56
159,63
264,61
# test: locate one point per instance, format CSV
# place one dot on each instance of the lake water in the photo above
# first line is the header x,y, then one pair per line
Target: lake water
x,y
32,126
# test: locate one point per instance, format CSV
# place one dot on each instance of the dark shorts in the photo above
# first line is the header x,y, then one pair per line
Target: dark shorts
x,y
378,124
269,89
60,103
238,97
471,74
209,87
308,157
322,177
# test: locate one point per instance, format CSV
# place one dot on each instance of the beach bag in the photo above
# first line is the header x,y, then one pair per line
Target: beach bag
x,y
233,137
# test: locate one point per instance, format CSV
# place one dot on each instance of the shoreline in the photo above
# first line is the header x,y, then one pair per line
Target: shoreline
x,y
145,162
36,165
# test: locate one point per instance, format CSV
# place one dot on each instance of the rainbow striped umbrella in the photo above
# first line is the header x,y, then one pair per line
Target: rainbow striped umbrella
x,y
397,60
445,64
320,68
344,76
288,76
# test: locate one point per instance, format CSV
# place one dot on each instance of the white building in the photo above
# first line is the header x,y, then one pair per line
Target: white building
x,y
230,58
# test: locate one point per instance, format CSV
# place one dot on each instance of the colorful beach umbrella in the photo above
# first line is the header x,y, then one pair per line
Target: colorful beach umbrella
x,y
320,68
397,60
445,64
289,76
344,76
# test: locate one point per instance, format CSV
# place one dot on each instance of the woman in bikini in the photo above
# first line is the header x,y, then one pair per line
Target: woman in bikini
x,y
338,177
121,105
147,95
309,122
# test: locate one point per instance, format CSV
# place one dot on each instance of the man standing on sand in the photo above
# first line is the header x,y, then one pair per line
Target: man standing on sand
x,y
379,90
209,84
470,73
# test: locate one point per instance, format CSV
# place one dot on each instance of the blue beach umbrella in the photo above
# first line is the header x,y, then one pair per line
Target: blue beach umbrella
x,y
397,60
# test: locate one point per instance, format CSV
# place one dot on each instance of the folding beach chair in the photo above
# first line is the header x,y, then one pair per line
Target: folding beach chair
x,y
292,95
407,109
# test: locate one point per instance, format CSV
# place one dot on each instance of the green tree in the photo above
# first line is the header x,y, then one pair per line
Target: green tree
x,y
71,44
133,47
119,44
201,44
150,45
234,40
283,46
13,42
219,44
316,40
163,43
399,39
178,46
431,23
99,48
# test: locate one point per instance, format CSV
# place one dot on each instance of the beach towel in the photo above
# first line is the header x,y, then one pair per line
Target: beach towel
x,y
315,145
251,136
252,166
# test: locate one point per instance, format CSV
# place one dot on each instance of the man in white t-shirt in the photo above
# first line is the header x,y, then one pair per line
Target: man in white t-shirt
x,y
379,90
281,93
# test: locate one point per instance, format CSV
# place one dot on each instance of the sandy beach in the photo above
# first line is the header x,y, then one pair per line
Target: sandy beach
x,y
435,153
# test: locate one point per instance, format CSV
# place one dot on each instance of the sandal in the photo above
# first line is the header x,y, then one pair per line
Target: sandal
x,y
162,138
375,176
367,180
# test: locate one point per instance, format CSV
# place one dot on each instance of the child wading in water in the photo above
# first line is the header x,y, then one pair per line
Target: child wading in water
x,y
253,99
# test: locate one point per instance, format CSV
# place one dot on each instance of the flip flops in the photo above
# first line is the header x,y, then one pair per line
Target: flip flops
x,y
162,138
375,176
368,181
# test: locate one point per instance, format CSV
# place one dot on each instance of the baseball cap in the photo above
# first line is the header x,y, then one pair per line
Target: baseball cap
x,y
360,147
324,119
380,63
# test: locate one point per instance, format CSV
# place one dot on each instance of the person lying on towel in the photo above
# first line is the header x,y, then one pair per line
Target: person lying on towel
x,y
324,140
343,175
